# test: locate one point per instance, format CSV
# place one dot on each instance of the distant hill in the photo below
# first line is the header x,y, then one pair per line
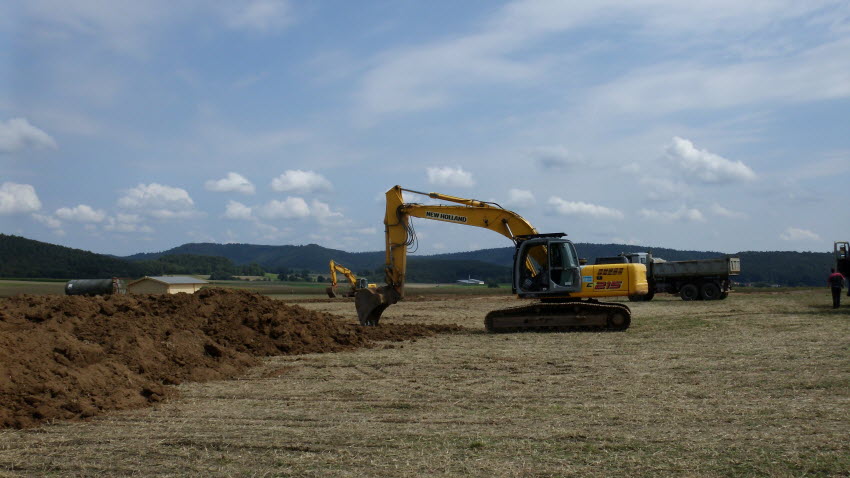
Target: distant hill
x,y
25,258
315,258
21,257
276,258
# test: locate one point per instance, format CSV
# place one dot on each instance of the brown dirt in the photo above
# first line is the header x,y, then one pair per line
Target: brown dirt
x,y
75,357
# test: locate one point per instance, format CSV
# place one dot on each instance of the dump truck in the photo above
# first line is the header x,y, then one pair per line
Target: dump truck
x,y
704,279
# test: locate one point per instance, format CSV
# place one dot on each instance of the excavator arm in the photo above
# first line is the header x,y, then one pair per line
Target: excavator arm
x,y
338,268
399,235
546,267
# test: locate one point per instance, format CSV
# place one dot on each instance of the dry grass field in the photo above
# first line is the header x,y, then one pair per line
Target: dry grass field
x,y
758,384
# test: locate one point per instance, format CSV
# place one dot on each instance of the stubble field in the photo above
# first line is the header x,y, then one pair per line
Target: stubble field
x,y
758,384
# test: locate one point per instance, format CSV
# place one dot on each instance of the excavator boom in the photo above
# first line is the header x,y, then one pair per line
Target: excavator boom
x,y
352,280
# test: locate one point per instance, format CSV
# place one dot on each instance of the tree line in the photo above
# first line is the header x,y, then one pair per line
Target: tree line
x,y
24,258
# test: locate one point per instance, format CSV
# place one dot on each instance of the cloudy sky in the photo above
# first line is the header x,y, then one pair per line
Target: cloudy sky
x,y
130,126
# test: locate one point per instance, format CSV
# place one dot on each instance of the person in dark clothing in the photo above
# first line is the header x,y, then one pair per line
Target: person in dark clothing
x,y
836,282
843,253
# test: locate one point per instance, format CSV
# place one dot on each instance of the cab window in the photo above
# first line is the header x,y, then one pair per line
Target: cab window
x,y
563,264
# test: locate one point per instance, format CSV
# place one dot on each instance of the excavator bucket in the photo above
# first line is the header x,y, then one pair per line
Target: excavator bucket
x,y
331,292
371,303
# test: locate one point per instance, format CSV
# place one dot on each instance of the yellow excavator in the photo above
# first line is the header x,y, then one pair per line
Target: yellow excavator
x,y
356,284
546,267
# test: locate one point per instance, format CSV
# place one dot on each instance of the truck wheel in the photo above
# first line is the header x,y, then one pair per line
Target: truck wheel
x,y
689,292
710,291
649,296
635,298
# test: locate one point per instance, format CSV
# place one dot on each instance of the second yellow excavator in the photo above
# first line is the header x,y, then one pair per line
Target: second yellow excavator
x,y
546,267
356,284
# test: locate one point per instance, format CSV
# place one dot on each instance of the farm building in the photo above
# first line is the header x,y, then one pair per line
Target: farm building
x,y
165,285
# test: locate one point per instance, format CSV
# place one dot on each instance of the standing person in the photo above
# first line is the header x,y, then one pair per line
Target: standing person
x,y
836,282
843,253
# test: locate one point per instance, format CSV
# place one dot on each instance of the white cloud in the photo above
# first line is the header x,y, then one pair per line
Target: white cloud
x,y
580,208
290,208
426,77
434,74
238,211
128,218
819,73
125,26
18,199
322,212
126,223
219,135
298,181
721,211
554,157
367,231
706,167
17,134
114,226
448,176
258,15
266,230
681,214
233,182
159,201
796,234
520,198
48,221
663,189
81,213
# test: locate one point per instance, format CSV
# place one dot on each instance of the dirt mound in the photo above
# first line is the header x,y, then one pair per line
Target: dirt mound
x,y
74,357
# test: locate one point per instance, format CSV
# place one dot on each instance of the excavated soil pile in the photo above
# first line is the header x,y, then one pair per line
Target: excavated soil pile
x,y
73,357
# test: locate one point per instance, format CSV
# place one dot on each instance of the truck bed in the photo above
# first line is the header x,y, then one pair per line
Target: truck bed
x,y
722,267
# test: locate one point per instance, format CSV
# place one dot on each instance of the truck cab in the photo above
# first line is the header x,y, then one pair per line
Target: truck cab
x,y
630,258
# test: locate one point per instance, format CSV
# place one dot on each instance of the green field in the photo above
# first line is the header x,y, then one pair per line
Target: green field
x,y
12,287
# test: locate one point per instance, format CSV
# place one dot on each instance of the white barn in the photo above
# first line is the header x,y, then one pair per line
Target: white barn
x,y
165,285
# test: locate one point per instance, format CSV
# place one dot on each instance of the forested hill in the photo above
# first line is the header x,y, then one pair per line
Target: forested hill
x,y
21,257
25,258
311,257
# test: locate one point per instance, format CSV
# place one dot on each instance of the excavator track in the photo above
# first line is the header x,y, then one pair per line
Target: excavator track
x,y
560,317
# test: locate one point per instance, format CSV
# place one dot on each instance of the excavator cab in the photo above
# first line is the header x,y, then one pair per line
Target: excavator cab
x,y
545,266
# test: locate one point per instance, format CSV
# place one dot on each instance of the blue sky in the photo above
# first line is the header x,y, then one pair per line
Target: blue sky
x,y
138,126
